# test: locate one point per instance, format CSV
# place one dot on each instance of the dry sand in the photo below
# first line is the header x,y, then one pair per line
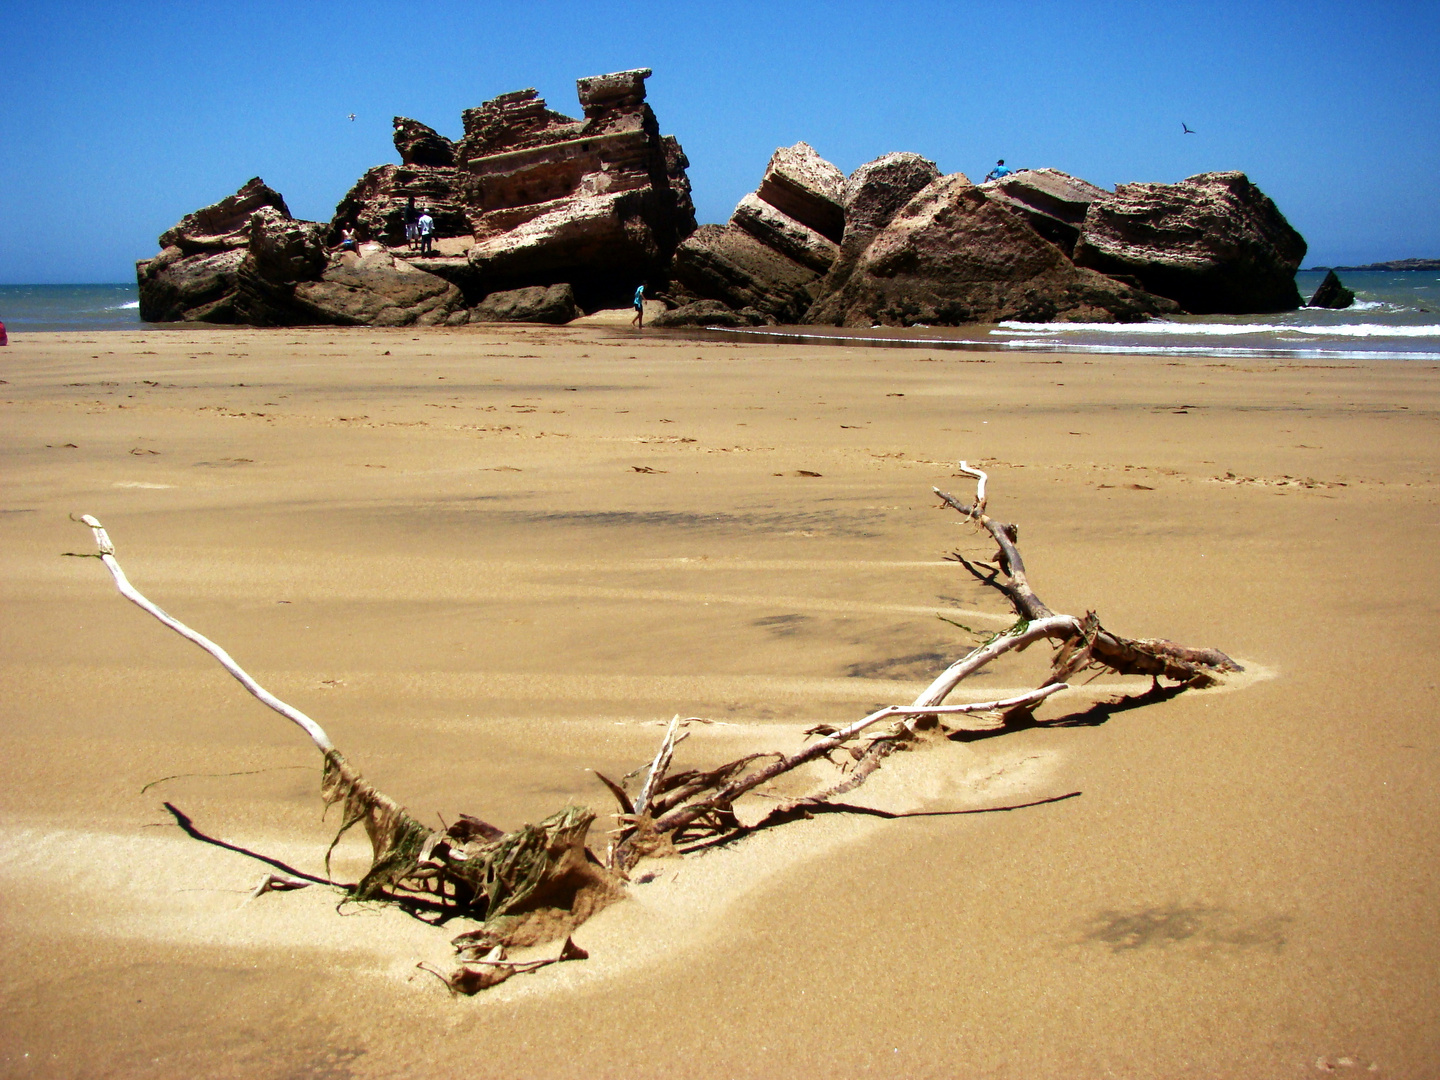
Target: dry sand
x,y
491,560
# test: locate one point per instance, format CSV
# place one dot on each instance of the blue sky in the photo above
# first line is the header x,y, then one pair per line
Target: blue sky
x,y
116,119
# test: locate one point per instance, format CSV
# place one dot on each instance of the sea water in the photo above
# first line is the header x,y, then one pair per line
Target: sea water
x,y
69,307
1396,315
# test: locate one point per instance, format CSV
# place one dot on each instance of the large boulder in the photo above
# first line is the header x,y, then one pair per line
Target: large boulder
x,y
873,195
1214,243
952,255
534,304
194,288
728,264
420,144
780,241
703,313
376,290
1053,202
231,262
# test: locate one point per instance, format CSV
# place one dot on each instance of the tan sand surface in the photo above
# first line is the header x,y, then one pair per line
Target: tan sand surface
x,y
492,560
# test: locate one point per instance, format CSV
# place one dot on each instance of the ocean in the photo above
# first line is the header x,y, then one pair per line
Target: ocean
x,y
1396,316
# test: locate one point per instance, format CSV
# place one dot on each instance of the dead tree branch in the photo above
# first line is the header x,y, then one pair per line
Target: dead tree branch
x,y
539,882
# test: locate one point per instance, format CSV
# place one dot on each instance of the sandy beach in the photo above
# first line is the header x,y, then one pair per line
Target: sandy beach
x,y
490,560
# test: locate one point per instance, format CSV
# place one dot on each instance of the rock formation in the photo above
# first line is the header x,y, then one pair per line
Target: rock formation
x,y
246,260
600,203
778,244
540,216
1213,243
1332,294
955,255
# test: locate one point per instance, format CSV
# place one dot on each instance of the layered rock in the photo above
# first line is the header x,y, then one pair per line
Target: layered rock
x,y
1053,202
420,144
953,255
426,179
1213,243
600,203
1331,294
873,195
779,242
225,225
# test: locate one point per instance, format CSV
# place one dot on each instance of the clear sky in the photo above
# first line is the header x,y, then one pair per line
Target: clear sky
x,y
116,119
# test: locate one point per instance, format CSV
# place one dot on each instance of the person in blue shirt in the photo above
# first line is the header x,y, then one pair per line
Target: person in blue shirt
x,y
639,321
998,171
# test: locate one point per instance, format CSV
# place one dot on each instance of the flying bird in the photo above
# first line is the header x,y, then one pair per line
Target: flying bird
x,y
1186,129
352,117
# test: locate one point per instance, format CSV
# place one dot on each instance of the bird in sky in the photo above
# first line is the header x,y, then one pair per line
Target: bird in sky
x,y
1185,128
352,117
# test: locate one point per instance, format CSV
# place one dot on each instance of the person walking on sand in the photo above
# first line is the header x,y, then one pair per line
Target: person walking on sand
x,y
425,225
998,171
639,320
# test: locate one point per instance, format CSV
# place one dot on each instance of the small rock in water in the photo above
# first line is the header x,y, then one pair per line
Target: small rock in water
x,y
1331,294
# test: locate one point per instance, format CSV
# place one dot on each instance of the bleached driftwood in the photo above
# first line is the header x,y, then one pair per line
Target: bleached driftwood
x,y
539,882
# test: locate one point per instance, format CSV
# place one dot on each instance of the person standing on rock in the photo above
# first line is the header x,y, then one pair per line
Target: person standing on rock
x,y
639,320
411,216
425,225
998,171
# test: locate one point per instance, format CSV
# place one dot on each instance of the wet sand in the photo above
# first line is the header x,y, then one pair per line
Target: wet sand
x,y
490,560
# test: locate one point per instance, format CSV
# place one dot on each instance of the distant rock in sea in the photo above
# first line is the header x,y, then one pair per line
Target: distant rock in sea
x,y
1397,264
1331,294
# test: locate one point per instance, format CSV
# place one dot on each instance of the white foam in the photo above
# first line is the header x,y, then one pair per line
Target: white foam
x,y
1182,330
131,306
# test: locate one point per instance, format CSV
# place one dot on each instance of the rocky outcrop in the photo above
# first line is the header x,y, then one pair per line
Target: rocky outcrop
x,y
375,207
779,242
953,255
873,195
1331,294
1053,202
420,144
534,303
225,225
600,203
250,262
1213,243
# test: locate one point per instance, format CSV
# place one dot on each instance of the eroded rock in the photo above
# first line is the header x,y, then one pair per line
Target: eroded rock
x,y
1053,202
420,144
534,303
376,290
779,242
1214,243
873,195
951,255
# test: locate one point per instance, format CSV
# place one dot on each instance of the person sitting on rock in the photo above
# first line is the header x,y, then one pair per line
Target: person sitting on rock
x,y
425,226
639,320
348,241
998,171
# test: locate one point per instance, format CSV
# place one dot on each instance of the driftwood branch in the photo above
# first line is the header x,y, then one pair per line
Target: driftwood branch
x,y
539,882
